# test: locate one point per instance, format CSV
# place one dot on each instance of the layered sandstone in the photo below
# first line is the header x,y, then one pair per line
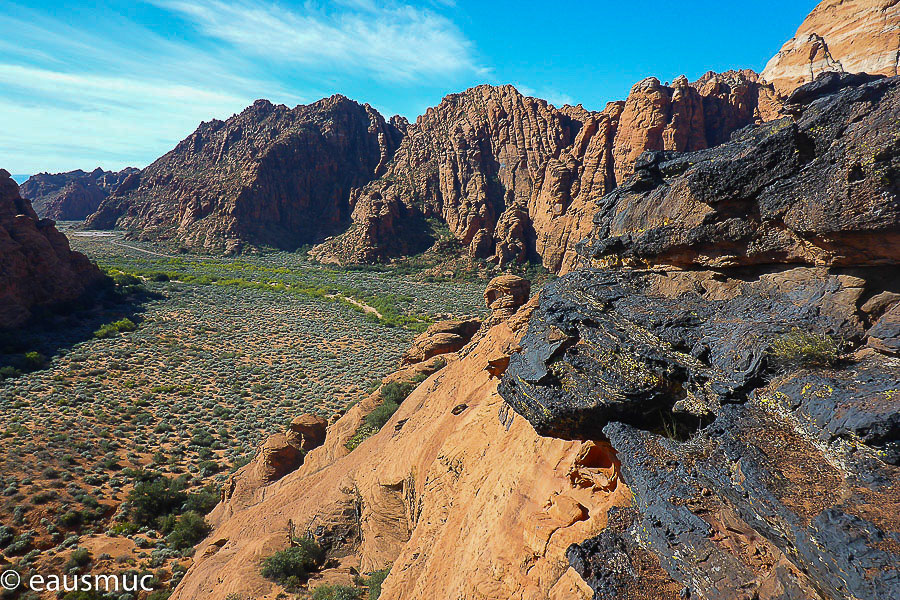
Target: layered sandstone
x,y
73,195
269,176
514,177
845,36
37,267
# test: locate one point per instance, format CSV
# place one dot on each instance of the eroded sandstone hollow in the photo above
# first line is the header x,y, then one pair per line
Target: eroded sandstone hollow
x,y
716,414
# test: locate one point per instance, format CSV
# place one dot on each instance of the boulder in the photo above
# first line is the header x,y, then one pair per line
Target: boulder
x,y
440,338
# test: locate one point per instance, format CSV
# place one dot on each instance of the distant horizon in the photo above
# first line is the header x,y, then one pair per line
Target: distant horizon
x,y
119,87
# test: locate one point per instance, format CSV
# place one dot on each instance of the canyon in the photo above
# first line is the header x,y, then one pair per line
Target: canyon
x,y
703,401
649,425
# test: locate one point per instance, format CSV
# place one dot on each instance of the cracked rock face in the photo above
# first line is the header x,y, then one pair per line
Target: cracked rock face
x,y
856,36
820,189
753,476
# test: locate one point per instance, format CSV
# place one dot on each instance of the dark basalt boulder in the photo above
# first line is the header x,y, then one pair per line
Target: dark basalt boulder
x,y
604,346
821,189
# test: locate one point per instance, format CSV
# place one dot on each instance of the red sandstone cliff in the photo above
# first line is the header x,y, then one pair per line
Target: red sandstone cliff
x,y
513,176
37,268
851,36
269,176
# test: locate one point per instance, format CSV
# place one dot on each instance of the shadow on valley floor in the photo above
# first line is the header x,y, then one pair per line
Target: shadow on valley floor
x,y
101,312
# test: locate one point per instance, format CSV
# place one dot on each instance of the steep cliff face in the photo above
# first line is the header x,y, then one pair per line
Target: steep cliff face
x,y
37,268
513,177
846,36
750,399
269,176
73,195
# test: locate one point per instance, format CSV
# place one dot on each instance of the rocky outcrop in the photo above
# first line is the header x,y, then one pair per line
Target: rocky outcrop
x,y
269,176
738,204
514,178
74,195
855,36
37,268
440,338
723,336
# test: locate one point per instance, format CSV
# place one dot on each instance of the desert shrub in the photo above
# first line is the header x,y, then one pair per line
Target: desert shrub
x,y
381,415
374,581
189,529
80,558
395,392
291,566
6,536
203,501
365,431
8,372
336,592
154,498
71,519
804,348
35,361
111,329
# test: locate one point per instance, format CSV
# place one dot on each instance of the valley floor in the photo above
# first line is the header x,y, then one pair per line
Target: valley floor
x,y
226,351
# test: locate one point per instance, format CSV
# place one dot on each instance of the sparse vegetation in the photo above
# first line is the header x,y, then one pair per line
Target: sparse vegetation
x,y
804,348
290,567
337,592
131,435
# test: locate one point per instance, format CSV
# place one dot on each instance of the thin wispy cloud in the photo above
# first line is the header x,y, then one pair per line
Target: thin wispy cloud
x,y
394,42
124,91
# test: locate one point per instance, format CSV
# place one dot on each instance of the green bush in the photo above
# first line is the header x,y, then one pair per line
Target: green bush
x,y
190,528
374,582
336,592
79,559
35,361
396,393
203,501
381,415
291,566
111,329
9,372
154,498
803,348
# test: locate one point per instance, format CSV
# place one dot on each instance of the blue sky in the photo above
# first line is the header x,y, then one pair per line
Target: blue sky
x,y
114,84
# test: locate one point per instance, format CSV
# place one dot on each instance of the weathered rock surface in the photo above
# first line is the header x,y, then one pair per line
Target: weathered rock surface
x,y
404,495
74,195
756,472
37,267
514,178
440,338
845,36
821,189
269,176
